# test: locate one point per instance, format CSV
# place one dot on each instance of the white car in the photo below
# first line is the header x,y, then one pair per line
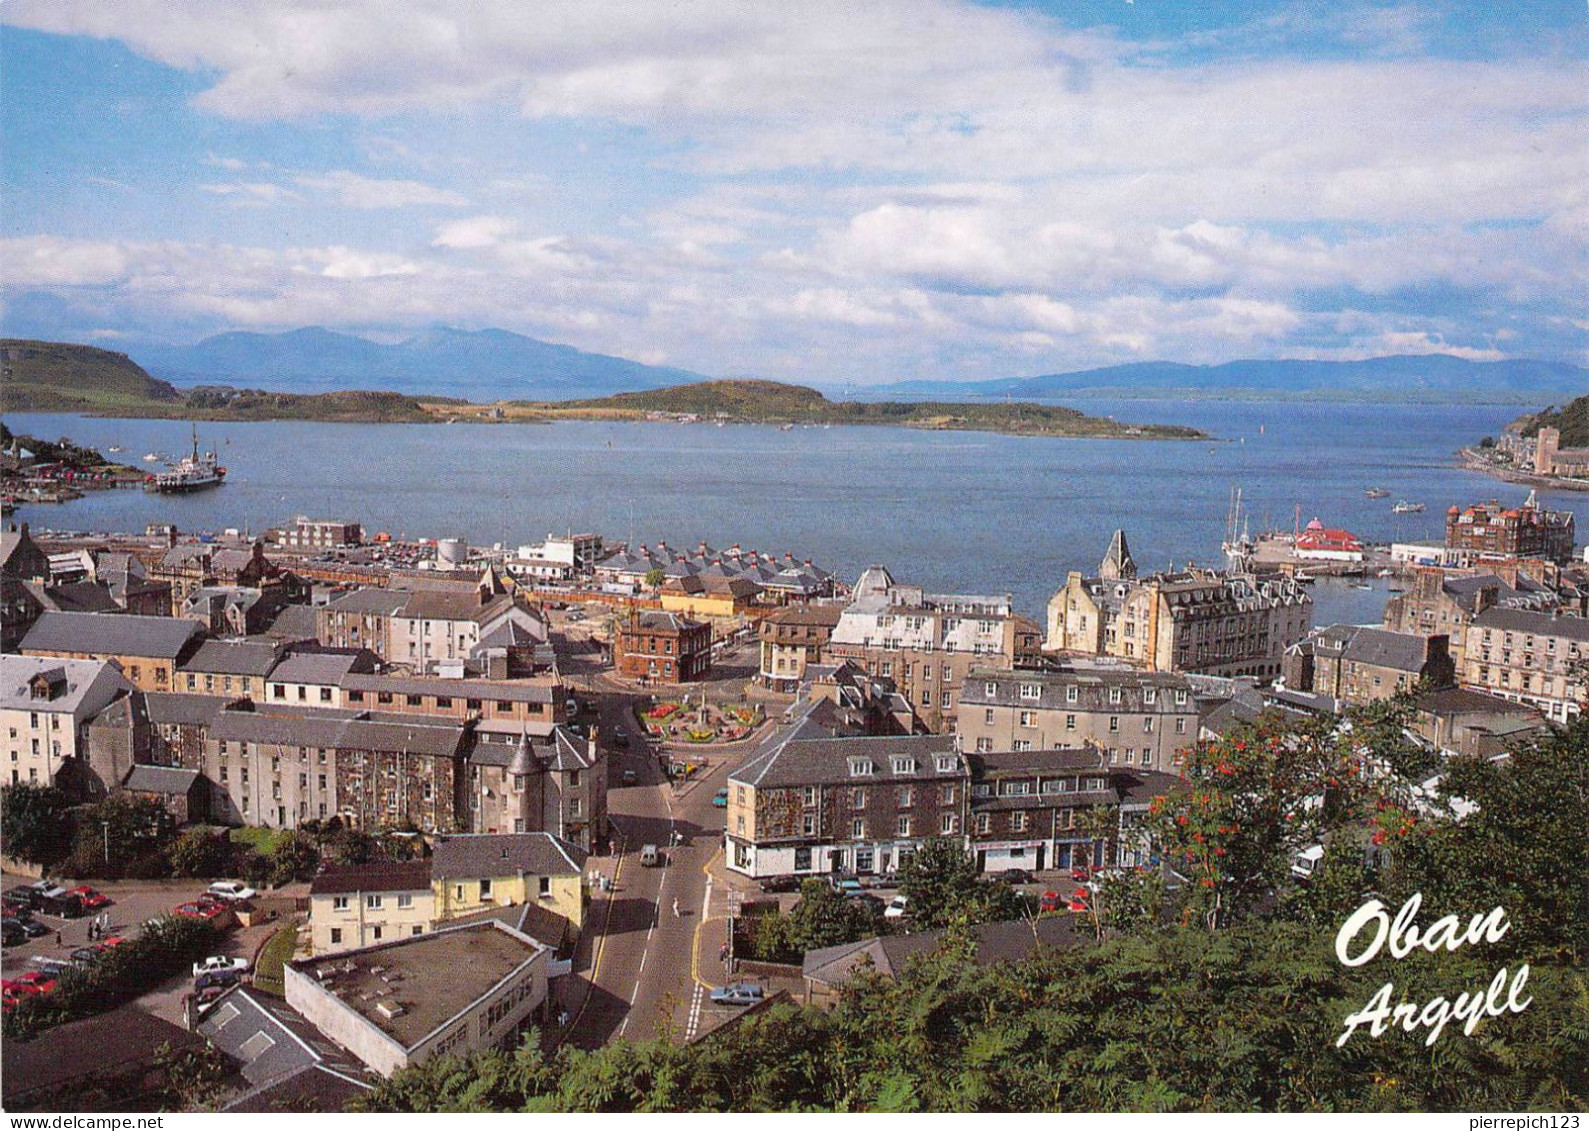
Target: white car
x,y
232,890
897,907
220,964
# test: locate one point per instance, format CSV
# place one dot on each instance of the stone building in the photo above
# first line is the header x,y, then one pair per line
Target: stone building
x,y
1358,665
46,706
791,639
1550,458
1439,602
1194,620
147,649
556,785
1137,718
359,905
1528,531
926,643
1529,657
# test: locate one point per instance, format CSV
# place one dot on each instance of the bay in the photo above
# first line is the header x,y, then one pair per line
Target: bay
x,y
953,511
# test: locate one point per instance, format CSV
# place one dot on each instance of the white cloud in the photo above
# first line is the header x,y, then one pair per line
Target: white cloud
x,y
474,232
253,192
354,190
44,261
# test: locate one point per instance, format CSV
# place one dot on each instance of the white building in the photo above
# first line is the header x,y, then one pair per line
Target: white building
x,y
45,708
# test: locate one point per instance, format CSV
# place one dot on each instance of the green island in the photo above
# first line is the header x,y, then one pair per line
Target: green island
x,y
61,377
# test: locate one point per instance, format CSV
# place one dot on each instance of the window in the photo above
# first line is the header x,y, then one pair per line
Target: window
x,y
857,828
339,903
802,859
902,826
336,935
946,764
1114,722
1180,725
948,824
1072,694
1150,694
1021,744
1114,695
904,765
325,695
544,886
1031,691
990,689
987,717
376,934
945,701
984,823
808,825
1147,724
1028,718
858,800
417,930
860,767
485,889
810,795
984,746
1019,823
1070,722
372,903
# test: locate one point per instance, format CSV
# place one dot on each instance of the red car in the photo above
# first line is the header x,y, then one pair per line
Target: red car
x,y
201,910
1051,901
1080,875
1080,900
34,982
92,900
109,944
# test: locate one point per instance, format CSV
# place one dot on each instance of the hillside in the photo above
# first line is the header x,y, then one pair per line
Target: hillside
x,y
484,365
1572,419
770,402
1423,378
59,377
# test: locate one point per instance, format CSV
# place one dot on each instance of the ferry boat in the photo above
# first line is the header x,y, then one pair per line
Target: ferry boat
x,y
1377,493
191,473
1405,507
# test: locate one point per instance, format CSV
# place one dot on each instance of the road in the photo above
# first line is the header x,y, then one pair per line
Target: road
x,y
647,980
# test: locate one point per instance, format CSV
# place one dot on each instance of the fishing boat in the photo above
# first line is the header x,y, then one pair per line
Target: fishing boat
x,y
1404,507
1377,493
191,473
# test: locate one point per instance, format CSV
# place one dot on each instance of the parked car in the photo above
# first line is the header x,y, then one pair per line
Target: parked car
x,y
848,886
1306,862
51,966
1050,901
234,891
651,856
720,799
217,979
873,903
1080,901
218,964
59,901
774,884
85,955
34,928
23,898
629,777
1017,876
620,737
1080,875
208,910
34,982
92,900
737,993
897,908
12,933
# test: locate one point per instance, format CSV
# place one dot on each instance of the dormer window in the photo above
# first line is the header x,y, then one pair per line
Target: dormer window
x,y
904,765
1031,691
1150,695
1072,694
860,767
946,764
990,688
1114,695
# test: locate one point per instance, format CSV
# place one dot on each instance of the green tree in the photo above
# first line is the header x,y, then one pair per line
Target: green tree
x,y
823,917
942,883
35,822
655,578
121,833
201,853
293,858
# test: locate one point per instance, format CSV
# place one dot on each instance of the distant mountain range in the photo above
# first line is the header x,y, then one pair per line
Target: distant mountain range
x,y
1430,378
479,365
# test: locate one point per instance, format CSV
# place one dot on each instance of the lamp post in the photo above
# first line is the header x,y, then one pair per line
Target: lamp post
x,y
106,825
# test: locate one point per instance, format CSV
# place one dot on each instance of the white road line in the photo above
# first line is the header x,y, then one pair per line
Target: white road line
x,y
644,954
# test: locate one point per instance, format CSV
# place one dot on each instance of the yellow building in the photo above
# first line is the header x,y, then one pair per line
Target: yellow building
x,y
722,601
148,649
478,872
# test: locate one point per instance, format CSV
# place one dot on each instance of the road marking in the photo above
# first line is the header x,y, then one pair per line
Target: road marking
x,y
694,1024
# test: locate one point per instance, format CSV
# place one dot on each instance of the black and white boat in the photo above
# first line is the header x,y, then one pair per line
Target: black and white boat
x,y
191,473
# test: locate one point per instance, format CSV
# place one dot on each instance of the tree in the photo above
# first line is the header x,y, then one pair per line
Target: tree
x,y
123,832
1487,442
201,853
823,917
293,858
942,883
35,822
655,578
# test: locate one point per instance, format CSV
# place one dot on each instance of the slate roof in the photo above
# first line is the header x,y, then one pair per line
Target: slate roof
x,y
380,601
339,879
805,754
102,1045
112,635
514,692
483,855
295,622
1398,651
183,707
569,752
1094,687
1461,701
1008,941
71,681
172,781
654,621
321,667
1506,620
233,657
276,1046
77,597
308,1088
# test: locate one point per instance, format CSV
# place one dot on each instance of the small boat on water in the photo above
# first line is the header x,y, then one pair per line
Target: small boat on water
x,y
115,448
1377,493
1404,507
153,457
1362,585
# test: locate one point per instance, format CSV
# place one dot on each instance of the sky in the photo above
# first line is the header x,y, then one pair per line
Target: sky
x,y
854,192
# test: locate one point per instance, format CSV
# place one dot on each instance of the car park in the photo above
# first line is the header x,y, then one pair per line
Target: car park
x,y
897,908
720,799
737,993
219,964
233,891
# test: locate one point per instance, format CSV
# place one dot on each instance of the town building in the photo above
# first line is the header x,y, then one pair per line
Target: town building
x,y
444,993
234,668
579,553
926,643
717,597
1318,542
360,905
532,706
851,702
1457,721
1438,602
46,705
1550,458
190,566
809,803
791,639
285,1065
1357,665
662,647
147,649
1528,531
361,618
556,785
1137,718
321,534
481,871
1192,620
22,564
1529,657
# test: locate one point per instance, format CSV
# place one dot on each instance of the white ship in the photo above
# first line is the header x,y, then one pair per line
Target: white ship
x,y
1405,507
191,473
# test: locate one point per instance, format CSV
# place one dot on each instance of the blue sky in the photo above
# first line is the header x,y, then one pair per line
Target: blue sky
x,y
828,192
